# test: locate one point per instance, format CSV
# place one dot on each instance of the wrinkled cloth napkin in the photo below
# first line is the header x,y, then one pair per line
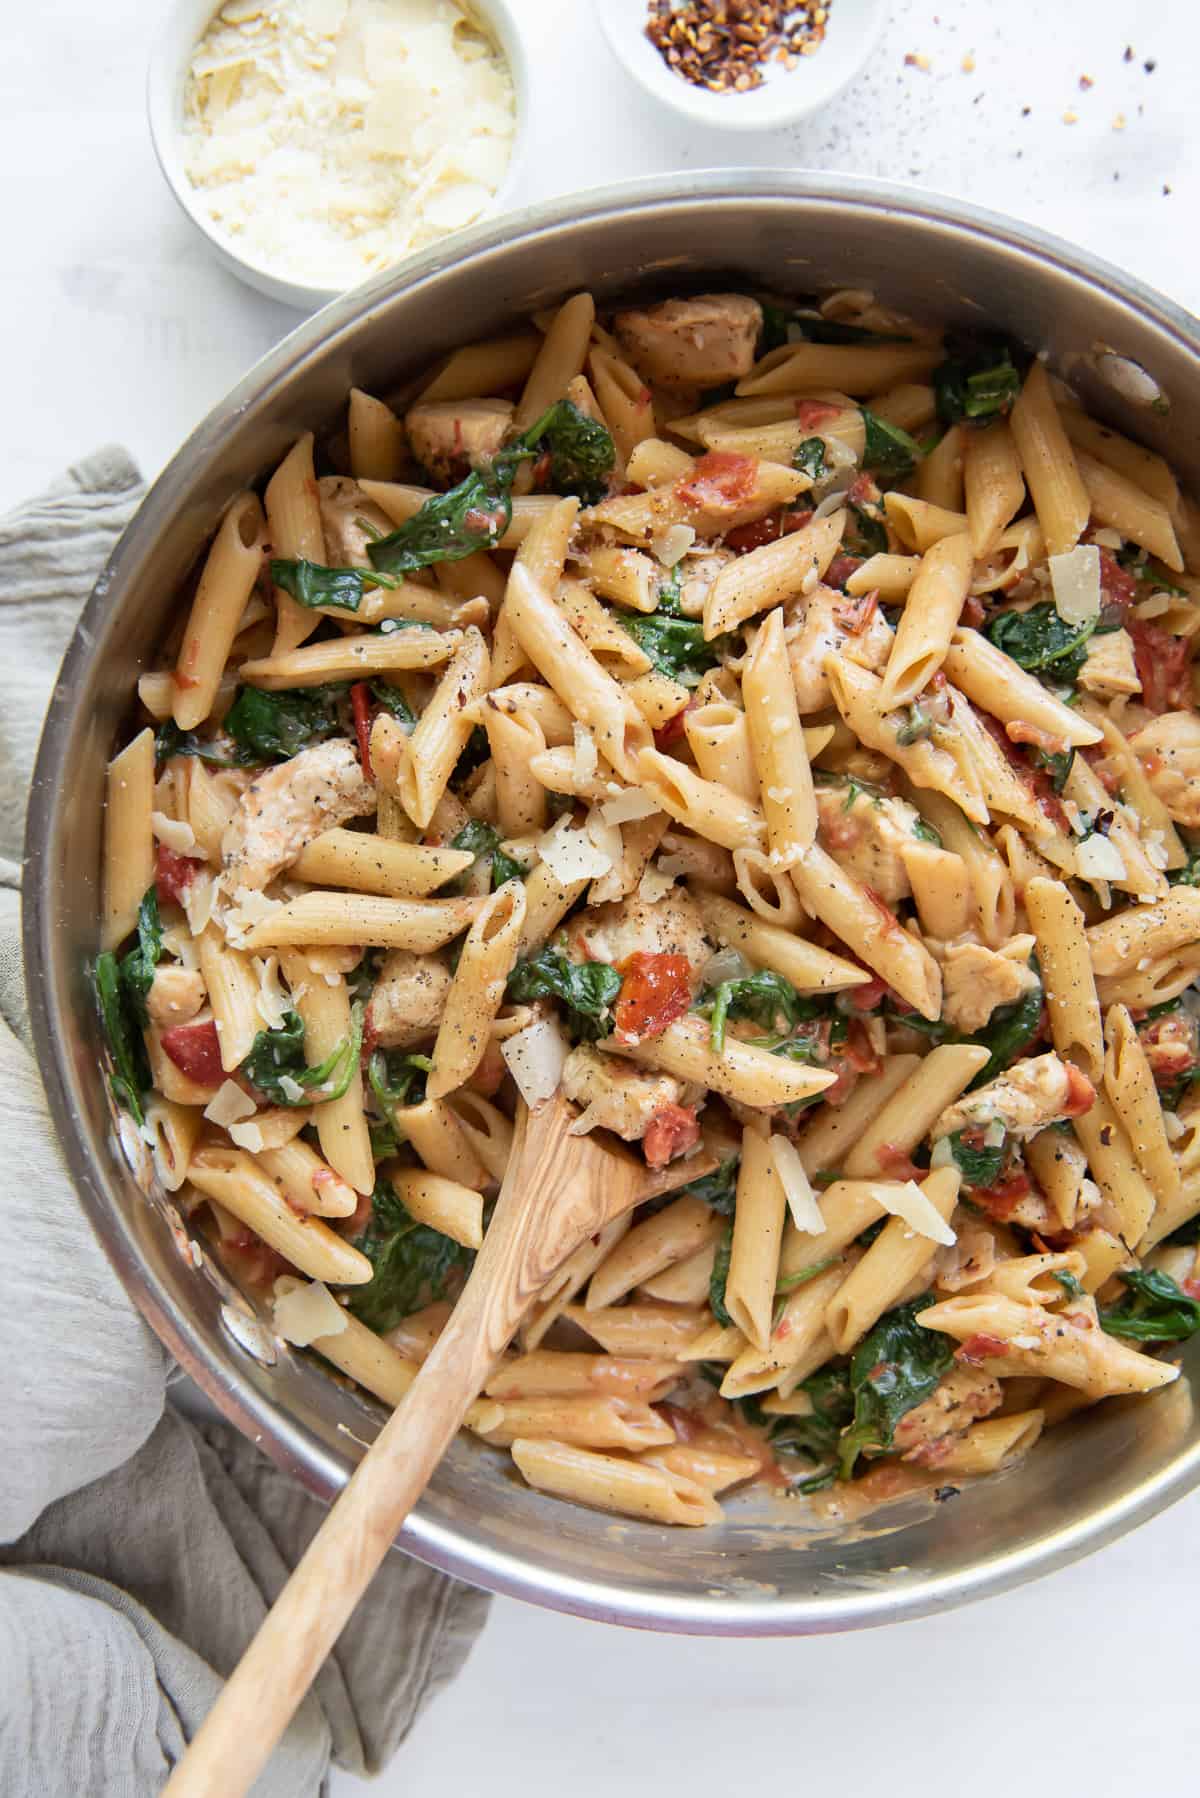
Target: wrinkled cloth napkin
x,y
138,1550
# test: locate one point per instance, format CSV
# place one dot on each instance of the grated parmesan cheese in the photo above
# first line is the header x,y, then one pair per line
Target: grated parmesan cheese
x,y
655,883
535,1058
229,1105
328,138
304,1312
628,806
573,855
1098,858
1075,578
802,1200
904,1198
246,1136
176,833
670,546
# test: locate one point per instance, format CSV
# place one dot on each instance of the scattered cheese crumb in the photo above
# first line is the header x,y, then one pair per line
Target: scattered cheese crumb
x,y
968,64
916,59
174,832
1070,118
1118,123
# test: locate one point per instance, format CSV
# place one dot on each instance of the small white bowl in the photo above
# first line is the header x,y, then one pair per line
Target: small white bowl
x,y
786,95
166,82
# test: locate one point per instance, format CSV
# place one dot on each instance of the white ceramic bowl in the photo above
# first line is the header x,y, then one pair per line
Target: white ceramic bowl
x,y
786,95
165,84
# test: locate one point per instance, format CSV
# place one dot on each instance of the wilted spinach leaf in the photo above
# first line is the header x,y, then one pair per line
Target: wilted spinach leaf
x,y
978,1163
978,382
809,457
1042,642
311,584
675,645
581,450
1153,1309
894,1368
588,989
720,1274
414,1264
718,1189
273,727
887,450
277,1056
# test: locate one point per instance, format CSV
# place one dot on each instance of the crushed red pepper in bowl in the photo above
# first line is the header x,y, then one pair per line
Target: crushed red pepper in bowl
x,y
725,45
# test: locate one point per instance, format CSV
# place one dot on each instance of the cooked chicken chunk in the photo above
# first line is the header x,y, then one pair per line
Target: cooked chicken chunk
x,y
975,980
867,834
819,634
176,994
1109,669
409,997
285,808
959,1399
1169,750
345,511
616,1096
701,342
1025,1098
668,926
450,436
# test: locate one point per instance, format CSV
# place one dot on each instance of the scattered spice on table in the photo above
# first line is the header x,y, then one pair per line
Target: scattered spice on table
x,y
725,45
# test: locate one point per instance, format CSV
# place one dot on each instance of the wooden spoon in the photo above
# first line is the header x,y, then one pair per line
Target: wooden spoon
x,y
558,1190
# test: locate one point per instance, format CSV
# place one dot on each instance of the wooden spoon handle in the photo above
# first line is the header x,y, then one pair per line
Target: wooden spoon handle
x,y
266,1688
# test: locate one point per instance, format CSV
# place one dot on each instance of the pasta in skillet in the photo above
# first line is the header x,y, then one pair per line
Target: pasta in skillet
x,y
774,727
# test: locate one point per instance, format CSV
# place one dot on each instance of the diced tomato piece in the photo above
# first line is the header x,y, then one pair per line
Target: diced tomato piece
x,y
1117,585
766,530
1192,1288
671,1131
865,491
174,874
196,1051
811,414
673,730
655,991
860,1052
840,570
1163,664
541,471
1001,1199
980,1348
720,481
867,997
489,1075
1081,1094
360,700
973,612
897,1163
855,612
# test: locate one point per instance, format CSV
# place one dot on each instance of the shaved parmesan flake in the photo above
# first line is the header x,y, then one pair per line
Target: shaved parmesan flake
x,y
246,1136
1027,1342
655,883
904,1198
571,855
535,1058
306,1312
671,545
198,902
249,908
943,1153
833,502
605,836
585,753
802,1201
271,1002
628,806
1098,858
291,1089
229,1105
174,832
1075,578
1174,1126
1107,538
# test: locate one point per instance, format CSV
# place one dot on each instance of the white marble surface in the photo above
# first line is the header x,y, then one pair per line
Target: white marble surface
x,y
116,324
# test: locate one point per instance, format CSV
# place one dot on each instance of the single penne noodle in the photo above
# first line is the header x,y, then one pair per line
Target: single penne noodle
x,y
657,1331
612,647
713,812
324,1007
789,805
1035,1342
477,989
719,739
991,882
847,908
911,1112
996,683
939,476
824,1143
687,1283
587,1421
800,1328
1060,1167
712,1468
757,1233
941,885
371,864
670,1236
1139,466
861,370
1056,487
889,576
412,604
896,1258
772,574
434,1130
376,438
657,697
128,838
174,1130
487,1130
993,484
716,1342
232,988
629,576
1067,978
231,1178
734,414
561,357
442,730
1118,944
998,1442
531,700
625,400
543,552
1168,1218
306,1181
1129,1084
295,531
930,615
1114,1167
942,761
360,919
547,902
1161,980
233,565
627,1487
350,658
486,367
744,1072
911,404
810,968
443,1204
764,885
848,1207
472,577
1117,502
549,1373
920,525
569,1280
